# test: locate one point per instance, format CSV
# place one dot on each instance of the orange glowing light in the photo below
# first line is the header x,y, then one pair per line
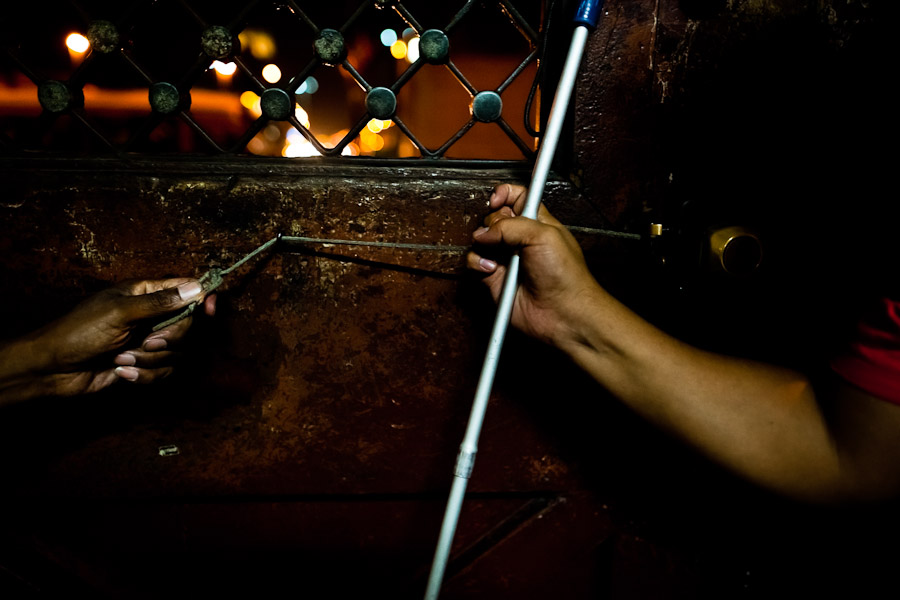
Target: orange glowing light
x,y
249,99
271,73
370,142
77,43
261,44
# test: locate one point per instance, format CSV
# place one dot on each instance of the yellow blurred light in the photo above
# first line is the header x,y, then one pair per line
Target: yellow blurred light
x,y
398,49
375,126
226,69
77,43
249,99
271,73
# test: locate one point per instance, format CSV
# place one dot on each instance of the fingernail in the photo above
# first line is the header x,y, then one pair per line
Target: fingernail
x,y
487,265
125,359
189,290
154,344
479,232
127,373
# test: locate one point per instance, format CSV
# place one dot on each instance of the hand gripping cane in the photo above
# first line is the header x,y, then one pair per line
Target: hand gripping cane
x,y
585,20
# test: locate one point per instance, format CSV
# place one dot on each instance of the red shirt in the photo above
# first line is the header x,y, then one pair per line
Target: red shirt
x,y
872,361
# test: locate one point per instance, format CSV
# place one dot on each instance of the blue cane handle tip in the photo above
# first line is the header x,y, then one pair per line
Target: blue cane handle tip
x,y
589,13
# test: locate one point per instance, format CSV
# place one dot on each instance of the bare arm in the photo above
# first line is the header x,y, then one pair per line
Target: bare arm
x,y
761,421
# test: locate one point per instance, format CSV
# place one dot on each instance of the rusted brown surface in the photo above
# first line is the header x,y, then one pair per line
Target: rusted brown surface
x,y
319,413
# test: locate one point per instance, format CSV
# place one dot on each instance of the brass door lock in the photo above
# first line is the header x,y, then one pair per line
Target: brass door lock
x,y
735,250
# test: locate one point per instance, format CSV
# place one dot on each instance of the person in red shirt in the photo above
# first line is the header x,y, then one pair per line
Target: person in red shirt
x,y
872,359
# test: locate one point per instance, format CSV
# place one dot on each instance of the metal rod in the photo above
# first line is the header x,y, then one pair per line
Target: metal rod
x,y
296,239
465,460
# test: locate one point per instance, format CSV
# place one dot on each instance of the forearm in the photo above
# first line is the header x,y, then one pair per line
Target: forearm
x,y
24,370
761,421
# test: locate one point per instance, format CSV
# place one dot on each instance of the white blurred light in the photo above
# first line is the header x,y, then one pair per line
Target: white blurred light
x,y
412,50
226,69
300,149
271,73
301,115
77,43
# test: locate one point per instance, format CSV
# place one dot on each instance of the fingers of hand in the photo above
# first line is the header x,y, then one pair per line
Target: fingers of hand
x,y
209,305
157,350
504,212
168,336
137,375
140,287
146,364
141,359
476,262
507,194
171,297
514,232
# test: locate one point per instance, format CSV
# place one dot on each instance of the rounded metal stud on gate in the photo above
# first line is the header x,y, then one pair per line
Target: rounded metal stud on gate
x,y
103,36
54,96
381,103
164,98
329,47
217,42
276,104
434,47
487,107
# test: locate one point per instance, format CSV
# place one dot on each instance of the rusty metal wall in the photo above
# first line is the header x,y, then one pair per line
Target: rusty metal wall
x,y
318,413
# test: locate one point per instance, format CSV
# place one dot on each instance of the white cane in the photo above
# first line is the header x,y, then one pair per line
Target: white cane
x,y
585,20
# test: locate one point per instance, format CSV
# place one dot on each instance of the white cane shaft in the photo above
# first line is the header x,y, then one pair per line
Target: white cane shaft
x,y
469,446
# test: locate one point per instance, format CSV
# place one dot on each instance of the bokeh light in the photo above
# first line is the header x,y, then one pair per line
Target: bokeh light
x,y
261,44
251,102
301,115
388,37
271,73
398,49
377,126
310,86
77,43
226,69
412,50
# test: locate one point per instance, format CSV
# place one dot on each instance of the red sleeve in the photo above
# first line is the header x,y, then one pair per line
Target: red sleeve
x,y
872,360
